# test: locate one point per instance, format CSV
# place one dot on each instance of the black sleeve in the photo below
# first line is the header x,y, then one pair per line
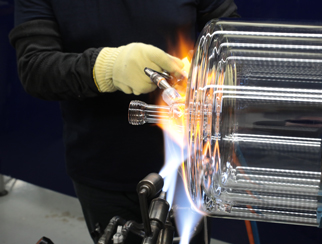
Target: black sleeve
x,y
44,70
227,8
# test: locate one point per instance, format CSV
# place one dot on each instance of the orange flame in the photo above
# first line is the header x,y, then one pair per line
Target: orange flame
x,y
183,47
175,127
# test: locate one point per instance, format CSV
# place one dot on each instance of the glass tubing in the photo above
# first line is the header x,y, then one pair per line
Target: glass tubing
x,y
253,117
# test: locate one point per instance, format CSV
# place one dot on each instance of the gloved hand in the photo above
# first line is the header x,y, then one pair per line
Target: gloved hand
x,y
122,68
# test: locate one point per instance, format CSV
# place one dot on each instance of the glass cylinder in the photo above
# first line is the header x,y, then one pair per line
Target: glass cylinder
x,y
254,123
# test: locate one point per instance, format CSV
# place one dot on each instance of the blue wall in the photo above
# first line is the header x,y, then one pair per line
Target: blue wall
x,y
31,145
288,10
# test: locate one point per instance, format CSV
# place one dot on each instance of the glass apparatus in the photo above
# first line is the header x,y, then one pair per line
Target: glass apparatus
x,y
253,122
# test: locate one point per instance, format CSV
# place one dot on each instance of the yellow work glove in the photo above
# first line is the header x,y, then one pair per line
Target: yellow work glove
x,y
122,68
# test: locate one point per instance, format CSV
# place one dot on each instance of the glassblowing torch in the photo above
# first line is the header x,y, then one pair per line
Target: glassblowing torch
x,y
141,113
157,226
160,79
169,95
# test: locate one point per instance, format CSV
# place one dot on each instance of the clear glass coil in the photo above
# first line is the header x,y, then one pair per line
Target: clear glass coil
x,y
253,117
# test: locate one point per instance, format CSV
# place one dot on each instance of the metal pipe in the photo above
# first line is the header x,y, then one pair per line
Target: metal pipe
x,y
205,228
144,213
158,213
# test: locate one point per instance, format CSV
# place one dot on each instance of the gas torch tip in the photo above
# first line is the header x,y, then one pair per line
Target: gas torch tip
x,y
148,71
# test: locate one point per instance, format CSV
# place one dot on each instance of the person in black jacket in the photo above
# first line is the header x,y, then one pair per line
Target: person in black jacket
x,y
89,55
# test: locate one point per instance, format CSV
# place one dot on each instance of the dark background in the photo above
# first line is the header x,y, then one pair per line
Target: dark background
x,y
31,147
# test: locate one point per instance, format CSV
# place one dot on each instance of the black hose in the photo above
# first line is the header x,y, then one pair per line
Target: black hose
x,y
110,229
134,227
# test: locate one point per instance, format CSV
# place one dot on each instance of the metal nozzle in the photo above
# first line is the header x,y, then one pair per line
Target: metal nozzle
x,y
149,72
153,183
157,78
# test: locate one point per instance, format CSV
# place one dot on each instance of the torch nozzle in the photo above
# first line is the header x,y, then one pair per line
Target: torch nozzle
x,y
157,78
169,95
149,72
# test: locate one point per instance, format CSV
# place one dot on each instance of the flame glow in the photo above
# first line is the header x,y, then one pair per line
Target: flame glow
x,y
173,159
187,214
174,127
190,222
174,146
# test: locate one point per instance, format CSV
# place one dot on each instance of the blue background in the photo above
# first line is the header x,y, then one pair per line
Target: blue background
x,y
31,147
